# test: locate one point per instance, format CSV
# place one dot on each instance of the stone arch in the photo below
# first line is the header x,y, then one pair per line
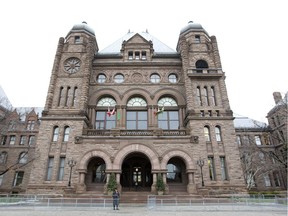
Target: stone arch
x,y
96,95
137,91
172,93
94,153
177,153
122,153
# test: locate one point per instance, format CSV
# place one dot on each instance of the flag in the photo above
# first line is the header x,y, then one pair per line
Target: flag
x,y
156,113
113,112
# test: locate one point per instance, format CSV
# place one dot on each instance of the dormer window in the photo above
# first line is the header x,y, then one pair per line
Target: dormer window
x,y
137,55
143,55
77,39
130,55
197,38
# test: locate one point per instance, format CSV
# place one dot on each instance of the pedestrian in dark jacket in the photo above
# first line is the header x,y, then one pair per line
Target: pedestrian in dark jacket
x,y
116,197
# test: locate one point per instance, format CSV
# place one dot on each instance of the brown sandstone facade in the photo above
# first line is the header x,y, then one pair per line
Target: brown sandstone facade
x,y
137,78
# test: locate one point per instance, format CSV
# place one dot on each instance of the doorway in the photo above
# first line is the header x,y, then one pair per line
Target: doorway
x,y
136,173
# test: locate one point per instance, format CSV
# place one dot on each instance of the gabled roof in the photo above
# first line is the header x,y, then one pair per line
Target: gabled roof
x,y
158,46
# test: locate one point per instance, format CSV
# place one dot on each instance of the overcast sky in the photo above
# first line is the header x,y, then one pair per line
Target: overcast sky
x,y
251,35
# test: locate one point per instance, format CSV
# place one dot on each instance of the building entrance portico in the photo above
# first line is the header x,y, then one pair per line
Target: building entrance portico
x,y
136,173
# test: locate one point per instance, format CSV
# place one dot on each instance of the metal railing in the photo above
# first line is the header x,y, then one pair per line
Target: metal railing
x,y
233,203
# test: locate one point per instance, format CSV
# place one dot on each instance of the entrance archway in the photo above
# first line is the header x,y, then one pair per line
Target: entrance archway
x,y
136,173
96,174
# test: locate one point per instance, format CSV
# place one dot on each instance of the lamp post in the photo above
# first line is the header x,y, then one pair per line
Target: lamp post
x,y
200,163
71,164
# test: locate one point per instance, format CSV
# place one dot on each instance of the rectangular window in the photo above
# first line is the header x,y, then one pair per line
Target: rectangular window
x,y
143,55
22,140
50,168
136,120
3,140
267,180
31,140
211,168
258,140
30,125
197,38
77,39
103,121
12,139
61,169
137,55
238,140
130,55
168,120
1,178
223,168
18,178
276,179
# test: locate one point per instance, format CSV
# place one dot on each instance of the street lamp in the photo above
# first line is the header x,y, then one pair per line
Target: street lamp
x,y
71,164
200,163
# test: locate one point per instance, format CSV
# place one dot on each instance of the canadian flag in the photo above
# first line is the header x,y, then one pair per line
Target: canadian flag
x,y
113,112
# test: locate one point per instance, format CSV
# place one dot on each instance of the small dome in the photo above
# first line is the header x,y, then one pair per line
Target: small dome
x,y
192,27
83,27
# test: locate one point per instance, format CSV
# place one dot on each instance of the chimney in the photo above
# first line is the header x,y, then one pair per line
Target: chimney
x,y
277,97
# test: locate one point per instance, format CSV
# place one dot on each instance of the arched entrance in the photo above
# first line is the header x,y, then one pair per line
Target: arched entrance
x,y
176,175
136,173
96,174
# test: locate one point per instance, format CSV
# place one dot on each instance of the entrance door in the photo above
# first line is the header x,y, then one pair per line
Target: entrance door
x,y
136,173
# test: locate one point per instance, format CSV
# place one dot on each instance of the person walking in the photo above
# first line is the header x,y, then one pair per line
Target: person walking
x,y
116,197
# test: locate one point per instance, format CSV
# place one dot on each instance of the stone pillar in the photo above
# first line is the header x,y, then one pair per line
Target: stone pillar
x,y
191,187
153,186
81,187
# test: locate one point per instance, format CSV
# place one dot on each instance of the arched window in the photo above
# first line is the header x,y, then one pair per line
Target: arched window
x,y
74,96
55,134
3,157
101,78
23,158
200,65
172,78
136,115
61,94
66,134
207,133
218,134
30,124
155,78
68,96
199,100
105,116
213,97
168,119
206,96
118,78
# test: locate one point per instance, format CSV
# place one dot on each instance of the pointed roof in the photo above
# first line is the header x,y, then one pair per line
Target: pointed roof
x,y
158,46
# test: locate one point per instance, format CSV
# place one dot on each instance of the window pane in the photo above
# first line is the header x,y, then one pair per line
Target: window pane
x,y
163,125
142,125
174,125
100,115
131,115
142,115
173,115
131,125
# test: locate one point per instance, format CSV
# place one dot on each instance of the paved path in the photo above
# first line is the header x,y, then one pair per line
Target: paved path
x,y
138,210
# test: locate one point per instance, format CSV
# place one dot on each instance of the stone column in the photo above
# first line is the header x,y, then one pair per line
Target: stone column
x,y
191,187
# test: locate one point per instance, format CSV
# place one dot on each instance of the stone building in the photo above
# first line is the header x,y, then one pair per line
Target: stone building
x,y
19,131
138,109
